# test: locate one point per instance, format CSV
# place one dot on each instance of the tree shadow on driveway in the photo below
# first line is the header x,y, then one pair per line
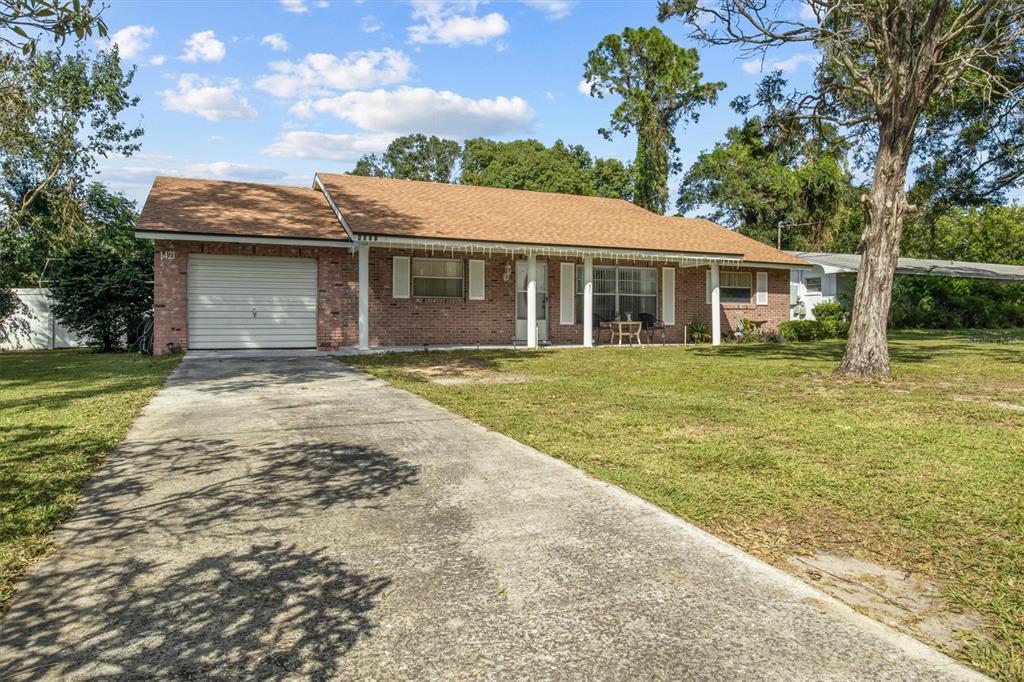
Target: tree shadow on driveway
x,y
180,563
269,612
181,486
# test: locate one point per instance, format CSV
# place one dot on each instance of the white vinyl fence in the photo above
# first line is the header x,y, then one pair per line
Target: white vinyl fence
x,y
38,329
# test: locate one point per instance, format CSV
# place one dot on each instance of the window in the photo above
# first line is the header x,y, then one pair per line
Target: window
x,y
734,287
618,291
813,285
436,278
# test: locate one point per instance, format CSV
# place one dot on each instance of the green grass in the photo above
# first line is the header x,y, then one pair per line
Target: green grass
x,y
767,448
61,411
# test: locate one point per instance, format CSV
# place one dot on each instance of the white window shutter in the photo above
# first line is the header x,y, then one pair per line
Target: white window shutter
x,y
567,294
762,288
668,296
476,280
400,277
707,286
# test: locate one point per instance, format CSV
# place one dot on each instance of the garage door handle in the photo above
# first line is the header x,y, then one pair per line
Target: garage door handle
x,y
254,312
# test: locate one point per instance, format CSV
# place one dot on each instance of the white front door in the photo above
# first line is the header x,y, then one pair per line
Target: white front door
x,y
542,301
251,302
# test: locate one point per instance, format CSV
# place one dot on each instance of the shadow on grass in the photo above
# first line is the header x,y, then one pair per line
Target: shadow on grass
x,y
267,612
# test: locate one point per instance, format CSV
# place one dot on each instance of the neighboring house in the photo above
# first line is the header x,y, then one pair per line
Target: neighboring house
x,y
366,262
834,277
37,328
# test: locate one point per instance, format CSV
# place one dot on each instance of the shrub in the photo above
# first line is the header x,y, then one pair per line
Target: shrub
x,y
924,302
699,331
829,310
813,330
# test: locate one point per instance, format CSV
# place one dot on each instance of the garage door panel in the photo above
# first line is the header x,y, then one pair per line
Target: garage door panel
x,y
224,291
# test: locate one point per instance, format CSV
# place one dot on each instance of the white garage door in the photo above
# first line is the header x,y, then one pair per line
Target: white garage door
x,y
251,302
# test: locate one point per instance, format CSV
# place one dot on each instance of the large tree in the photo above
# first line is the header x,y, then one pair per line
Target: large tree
x,y
414,157
528,164
884,64
60,113
776,177
63,113
660,86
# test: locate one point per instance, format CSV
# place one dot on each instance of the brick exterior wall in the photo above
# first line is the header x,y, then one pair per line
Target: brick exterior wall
x,y
414,321
337,289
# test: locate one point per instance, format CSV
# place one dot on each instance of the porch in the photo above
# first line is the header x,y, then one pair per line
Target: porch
x,y
446,294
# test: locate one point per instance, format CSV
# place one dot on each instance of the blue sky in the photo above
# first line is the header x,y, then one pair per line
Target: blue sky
x,y
273,91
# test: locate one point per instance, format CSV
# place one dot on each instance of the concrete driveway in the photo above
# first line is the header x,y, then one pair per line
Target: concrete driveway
x,y
294,518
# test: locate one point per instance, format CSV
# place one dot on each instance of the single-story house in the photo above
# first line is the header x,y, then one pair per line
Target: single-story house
x,y
833,277
373,262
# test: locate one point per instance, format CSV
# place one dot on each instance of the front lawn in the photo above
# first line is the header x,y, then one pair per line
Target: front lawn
x,y
921,476
61,411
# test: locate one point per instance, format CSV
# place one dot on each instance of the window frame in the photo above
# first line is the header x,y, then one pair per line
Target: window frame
x,y
461,278
724,300
818,290
617,295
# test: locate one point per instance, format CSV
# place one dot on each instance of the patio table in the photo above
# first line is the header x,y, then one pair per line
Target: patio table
x,y
628,328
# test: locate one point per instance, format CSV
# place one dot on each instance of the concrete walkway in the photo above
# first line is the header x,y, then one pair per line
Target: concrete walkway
x,y
274,517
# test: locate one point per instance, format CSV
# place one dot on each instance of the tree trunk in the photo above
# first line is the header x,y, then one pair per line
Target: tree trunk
x,y
867,352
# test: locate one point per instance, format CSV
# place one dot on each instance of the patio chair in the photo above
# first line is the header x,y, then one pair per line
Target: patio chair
x,y
600,324
651,324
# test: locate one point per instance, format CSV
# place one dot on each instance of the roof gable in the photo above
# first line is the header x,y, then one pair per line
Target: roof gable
x,y
242,209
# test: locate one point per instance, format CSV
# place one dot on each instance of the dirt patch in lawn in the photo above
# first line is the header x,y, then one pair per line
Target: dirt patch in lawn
x,y
457,374
906,601
988,401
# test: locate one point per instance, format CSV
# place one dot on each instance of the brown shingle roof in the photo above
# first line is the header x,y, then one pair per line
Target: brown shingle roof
x,y
432,210
247,209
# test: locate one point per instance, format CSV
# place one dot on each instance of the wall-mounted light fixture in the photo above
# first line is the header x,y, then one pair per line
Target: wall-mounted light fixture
x,y
507,275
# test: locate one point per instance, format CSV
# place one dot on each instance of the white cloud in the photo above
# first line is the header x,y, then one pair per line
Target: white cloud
x,y
445,23
276,42
788,65
807,13
312,145
321,73
203,46
370,24
236,171
555,9
157,60
297,6
216,138
429,111
134,175
132,40
584,86
199,96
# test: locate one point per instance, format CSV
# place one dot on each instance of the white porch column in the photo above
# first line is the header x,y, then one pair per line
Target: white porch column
x,y
588,301
716,307
531,301
364,297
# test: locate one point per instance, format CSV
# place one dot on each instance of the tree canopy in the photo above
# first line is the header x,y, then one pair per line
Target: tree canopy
x,y
414,157
660,86
528,164
518,164
60,114
776,174
23,22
